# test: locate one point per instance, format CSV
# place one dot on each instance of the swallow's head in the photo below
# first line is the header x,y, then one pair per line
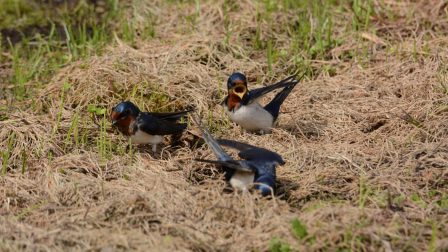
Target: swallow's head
x,y
237,85
265,190
123,114
265,185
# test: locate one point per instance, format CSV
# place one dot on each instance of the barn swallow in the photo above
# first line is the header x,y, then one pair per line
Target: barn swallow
x,y
257,167
242,105
146,127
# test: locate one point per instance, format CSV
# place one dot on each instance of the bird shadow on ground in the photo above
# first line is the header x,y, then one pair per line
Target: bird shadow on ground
x,y
284,188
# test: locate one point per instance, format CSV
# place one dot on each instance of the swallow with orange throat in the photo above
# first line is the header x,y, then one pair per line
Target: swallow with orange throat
x,y
257,166
243,108
146,127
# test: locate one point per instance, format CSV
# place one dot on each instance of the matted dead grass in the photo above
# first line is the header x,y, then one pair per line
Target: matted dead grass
x,y
365,148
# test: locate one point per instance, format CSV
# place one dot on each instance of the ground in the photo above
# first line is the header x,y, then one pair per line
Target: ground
x,y
364,135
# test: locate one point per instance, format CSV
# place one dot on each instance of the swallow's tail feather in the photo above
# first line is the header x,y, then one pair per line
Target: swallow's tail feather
x,y
211,142
180,127
258,92
273,107
171,116
232,164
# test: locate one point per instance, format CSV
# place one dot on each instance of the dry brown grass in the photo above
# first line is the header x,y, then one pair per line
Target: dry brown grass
x,y
365,147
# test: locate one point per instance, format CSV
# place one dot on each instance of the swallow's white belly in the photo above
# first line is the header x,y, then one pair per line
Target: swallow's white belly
x,y
242,180
252,117
140,137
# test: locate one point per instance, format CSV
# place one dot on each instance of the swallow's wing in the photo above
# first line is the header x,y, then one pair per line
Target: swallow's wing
x,y
250,152
219,152
155,126
170,116
236,145
232,164
258,92
261,154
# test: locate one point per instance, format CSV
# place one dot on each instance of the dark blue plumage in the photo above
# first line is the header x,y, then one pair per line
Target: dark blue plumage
x,y
127,108
273,107
257,167
235,78
146,127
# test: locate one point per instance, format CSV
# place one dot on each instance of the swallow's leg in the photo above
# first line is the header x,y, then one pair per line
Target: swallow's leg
x,y
154,148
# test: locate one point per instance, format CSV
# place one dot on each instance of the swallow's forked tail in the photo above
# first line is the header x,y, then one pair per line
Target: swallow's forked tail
x,y
273,107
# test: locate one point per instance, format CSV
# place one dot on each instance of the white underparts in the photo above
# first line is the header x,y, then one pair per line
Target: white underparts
x,y
140,137
252,117
242,180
